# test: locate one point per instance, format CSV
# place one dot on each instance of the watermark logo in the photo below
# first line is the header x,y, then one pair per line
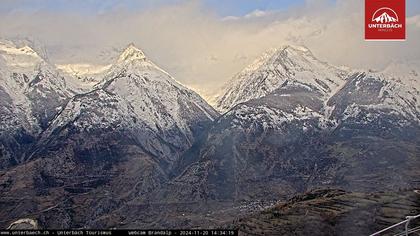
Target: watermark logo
x,y
385,20
385,15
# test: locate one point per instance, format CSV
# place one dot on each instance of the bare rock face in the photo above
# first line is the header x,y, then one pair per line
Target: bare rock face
x,y
139,141
32,93
294,139
102,148
287,64
23,224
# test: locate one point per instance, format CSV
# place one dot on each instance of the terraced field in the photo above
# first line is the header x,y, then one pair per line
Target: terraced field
x,y
334,212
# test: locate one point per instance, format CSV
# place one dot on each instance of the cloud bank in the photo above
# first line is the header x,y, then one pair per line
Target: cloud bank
x,y
204,50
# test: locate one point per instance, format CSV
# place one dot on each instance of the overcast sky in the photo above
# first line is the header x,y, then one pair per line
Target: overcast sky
x,y
203,43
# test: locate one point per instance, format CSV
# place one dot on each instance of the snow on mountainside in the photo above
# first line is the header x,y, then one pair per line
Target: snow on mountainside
x,y
406,77
294,64
401,91
123,136
137,95
133,94
31,93
379,94
134,70
81,78
84,76
138,139
83,70
25,60
32,84
295,123
394,89
19,59
408,73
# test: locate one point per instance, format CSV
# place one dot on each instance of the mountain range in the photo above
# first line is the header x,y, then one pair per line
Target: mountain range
x,y
385,18
133,148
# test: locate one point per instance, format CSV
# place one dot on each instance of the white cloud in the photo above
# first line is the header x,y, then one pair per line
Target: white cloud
x,y
414,21
204,51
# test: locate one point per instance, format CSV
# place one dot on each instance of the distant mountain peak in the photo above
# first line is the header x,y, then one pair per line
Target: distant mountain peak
x,y
294,52
10,48
131,53
295,48
288,63
285,51
22,59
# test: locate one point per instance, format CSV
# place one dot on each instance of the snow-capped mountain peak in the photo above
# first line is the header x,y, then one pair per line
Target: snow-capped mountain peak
x,y
132,61
19,59
10,48
131,53
277,67
138,97
385,18
264,59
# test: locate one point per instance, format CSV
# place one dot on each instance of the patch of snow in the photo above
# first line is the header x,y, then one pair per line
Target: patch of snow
x,y
81,70
20,60
274,69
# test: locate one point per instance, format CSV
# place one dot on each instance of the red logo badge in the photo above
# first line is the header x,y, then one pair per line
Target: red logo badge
x,y
385,19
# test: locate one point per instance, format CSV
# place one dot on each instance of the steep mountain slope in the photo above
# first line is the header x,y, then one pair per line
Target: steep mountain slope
x,y
379,102
32,93
107,146
287,64
298,137
20,59
136,94
140,150
84,71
